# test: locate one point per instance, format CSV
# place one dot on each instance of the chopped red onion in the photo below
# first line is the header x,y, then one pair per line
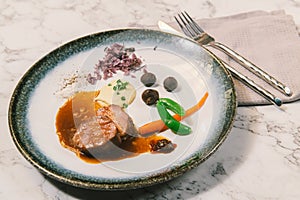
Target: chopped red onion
x,y
117,58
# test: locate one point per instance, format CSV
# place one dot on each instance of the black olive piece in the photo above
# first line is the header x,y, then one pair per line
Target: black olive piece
x,y
148,79
170,84
150,96
162,146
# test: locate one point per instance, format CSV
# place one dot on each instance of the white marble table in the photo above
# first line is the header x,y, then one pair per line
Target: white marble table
x,y
259,160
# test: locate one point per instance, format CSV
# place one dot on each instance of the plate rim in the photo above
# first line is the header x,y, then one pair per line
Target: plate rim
x,y
189,164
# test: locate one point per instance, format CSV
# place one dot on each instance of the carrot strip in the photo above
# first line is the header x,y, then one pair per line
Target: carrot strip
x,y
159,126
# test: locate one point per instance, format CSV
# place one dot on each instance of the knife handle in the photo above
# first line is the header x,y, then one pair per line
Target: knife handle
x,y
250,83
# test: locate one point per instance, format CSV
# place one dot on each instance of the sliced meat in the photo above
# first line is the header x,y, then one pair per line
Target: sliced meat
x,y
110,122
91,133
122,121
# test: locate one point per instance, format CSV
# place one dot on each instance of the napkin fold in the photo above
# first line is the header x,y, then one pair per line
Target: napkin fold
x,y
268,39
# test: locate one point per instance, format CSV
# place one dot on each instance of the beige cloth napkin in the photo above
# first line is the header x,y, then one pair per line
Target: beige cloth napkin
x,y
268,39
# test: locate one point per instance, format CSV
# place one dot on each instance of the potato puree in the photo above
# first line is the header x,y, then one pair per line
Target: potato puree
x,y
117,92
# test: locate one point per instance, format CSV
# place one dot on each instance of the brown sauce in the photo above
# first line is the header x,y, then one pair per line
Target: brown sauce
x,y
82,106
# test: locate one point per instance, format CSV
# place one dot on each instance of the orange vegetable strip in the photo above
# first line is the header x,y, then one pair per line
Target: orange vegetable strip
x,y
159,126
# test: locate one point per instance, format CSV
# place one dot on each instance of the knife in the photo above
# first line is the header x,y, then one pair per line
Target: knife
x,y
244,79
167,28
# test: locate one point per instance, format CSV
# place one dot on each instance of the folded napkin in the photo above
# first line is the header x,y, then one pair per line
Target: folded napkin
x,y
268,39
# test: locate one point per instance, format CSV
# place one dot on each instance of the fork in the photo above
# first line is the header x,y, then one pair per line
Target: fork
x,y
193,30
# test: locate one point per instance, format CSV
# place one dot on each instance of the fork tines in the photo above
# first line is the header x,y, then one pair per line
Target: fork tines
x,y
189,27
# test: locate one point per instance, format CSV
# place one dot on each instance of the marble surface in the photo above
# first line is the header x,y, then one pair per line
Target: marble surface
x,y
259,160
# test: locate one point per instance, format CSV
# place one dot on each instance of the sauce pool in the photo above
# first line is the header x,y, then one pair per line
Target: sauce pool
x,y
83,106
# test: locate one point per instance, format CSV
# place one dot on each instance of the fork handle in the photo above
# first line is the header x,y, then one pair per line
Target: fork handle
x,y
252,67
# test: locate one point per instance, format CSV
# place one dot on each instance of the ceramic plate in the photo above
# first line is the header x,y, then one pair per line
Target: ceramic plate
x,y
63,72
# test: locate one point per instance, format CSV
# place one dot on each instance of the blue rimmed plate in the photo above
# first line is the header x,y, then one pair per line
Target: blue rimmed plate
x,y
61,73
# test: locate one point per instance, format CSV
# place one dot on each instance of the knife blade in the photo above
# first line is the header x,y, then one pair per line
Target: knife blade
x,y
167,28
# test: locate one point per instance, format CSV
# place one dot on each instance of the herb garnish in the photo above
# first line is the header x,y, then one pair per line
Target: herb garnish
x,y
120,86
